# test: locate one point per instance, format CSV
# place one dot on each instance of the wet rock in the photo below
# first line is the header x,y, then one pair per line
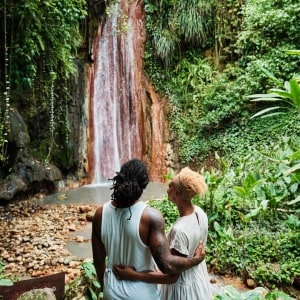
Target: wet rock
x,y
26,173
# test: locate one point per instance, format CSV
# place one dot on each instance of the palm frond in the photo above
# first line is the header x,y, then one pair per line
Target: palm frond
x,y
268,112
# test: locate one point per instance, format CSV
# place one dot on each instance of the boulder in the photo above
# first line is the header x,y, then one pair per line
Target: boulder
x,y
27,175
38,294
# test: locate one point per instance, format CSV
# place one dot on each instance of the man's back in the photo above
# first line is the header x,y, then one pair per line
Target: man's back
x,y
120,236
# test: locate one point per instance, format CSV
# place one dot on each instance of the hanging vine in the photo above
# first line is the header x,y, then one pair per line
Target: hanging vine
x,y
4,110
43,51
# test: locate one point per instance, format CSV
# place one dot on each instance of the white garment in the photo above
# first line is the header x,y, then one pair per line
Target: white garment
x,y
121,238
193,284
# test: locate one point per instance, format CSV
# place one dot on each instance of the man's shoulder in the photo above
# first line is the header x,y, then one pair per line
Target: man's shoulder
x,y
98,215
152,214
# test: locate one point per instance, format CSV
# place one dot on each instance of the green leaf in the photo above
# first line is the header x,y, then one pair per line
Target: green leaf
x,y
277,295
240,190
292,169
96,284
295,92
294,201
262,96
281,93
296,52
93,294
270,75
6,282
296,155
265,111
253,213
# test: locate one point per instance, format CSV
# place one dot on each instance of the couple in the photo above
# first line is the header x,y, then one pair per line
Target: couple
x,y
128,233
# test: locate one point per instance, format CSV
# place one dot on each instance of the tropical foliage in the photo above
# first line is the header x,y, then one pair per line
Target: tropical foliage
x,y
208,84
253,209
86,286
230,293
41,40
288,96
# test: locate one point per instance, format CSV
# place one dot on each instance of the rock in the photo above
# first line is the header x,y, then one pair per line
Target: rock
x,y
38,294
18,132
47,227
80,239
85,208
90,216
9,188
28,174
251,283
31,175
213,280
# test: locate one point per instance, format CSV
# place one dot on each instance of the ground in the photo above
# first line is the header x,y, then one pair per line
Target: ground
x,y
33,238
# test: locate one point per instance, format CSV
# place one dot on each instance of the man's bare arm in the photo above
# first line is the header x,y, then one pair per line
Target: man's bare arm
x,y
159,247
99,253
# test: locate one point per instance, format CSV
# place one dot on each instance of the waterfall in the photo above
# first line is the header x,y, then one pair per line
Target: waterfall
x,y
116,91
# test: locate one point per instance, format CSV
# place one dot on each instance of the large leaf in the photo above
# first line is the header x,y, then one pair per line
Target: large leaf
x,y
240,190
294,201
296,155
265,111
270,75
295,92
281,93
292,169
296,52
264,97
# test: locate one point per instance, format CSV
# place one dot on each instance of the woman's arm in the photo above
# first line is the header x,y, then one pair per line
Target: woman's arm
x,y
128,273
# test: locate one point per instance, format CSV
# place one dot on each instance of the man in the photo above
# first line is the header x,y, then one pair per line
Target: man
x,y
128,232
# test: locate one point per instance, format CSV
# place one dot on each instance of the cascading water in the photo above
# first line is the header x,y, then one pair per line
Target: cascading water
x,y
116,91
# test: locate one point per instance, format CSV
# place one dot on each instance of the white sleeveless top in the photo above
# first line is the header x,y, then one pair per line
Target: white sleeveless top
x,y
120,236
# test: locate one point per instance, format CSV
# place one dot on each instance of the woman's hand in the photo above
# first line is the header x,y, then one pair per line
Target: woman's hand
x,y
124,272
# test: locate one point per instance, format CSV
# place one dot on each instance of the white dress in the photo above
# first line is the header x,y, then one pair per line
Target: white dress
x,y
193,284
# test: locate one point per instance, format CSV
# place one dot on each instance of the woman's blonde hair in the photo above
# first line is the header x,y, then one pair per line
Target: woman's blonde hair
x,y
190,183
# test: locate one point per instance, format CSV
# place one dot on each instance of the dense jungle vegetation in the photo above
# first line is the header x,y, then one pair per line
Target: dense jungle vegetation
x,y
230,70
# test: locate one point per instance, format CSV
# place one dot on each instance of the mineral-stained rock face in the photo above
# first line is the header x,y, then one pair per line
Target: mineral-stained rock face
x,y
126,116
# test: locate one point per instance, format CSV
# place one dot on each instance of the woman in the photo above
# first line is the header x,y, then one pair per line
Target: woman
x,y
188,230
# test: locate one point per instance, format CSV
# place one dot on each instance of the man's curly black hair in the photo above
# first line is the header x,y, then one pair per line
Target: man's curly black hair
x,y
129,183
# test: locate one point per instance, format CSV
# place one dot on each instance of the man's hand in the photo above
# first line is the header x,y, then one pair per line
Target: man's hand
x,y
200,251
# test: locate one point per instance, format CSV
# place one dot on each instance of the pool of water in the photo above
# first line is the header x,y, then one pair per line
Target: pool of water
x,y
99,194
96,195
